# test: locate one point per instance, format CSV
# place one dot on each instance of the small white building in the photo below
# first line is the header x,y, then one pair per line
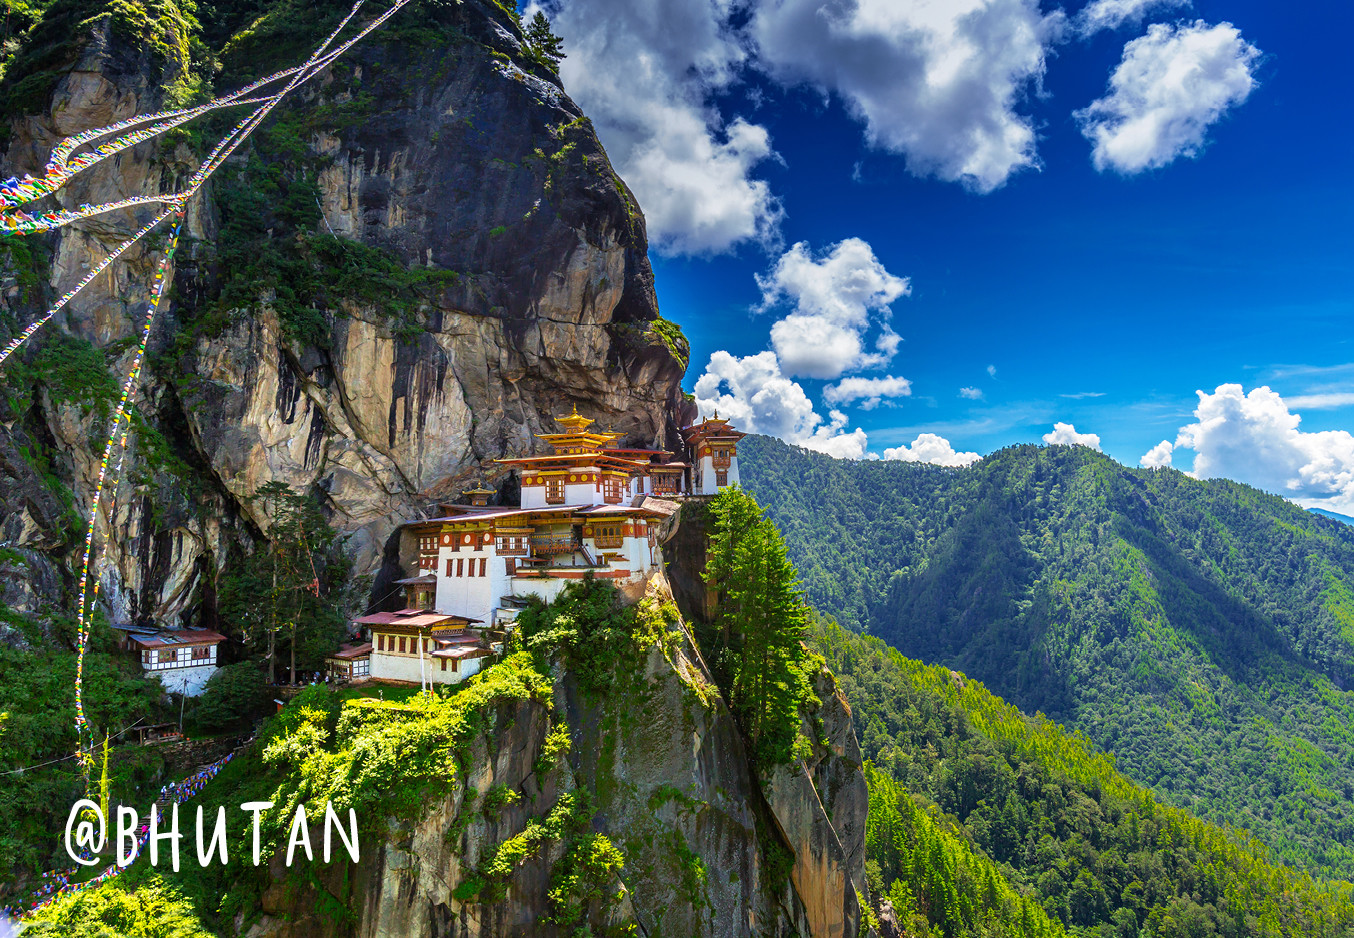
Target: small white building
x,y
714,455
417,647
350,663
183,659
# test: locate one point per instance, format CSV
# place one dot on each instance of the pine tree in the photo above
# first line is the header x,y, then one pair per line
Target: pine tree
x,y
548,47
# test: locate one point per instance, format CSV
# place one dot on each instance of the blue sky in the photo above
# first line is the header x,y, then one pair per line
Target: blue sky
x,y
1210,248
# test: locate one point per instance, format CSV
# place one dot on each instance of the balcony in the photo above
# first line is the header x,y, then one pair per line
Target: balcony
x,y
555,544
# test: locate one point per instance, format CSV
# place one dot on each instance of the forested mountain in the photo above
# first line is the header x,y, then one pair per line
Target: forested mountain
x,y
973,804
1200,630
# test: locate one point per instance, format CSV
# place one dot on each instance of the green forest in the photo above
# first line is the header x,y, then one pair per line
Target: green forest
x,y
1202,631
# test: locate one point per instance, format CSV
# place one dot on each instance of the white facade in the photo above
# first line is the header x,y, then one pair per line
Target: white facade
x,y
707,476
407,666
182,669
188,681
472,578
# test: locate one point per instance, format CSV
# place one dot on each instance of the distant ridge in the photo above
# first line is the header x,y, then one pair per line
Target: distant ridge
x,y
1332,514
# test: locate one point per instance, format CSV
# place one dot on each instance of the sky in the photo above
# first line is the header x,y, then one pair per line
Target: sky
x,y
927,229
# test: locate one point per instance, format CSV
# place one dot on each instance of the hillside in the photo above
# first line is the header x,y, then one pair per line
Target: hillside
x,y
960,772
1201,631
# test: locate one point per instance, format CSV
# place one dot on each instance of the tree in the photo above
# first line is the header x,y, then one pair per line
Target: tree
x,y
546,46
298,585
762,618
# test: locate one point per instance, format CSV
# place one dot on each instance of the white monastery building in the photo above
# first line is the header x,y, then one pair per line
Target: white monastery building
x,y
583,512
183,659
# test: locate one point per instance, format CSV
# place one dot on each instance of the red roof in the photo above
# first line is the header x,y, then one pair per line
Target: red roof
x,y
418,620
348,652
167,638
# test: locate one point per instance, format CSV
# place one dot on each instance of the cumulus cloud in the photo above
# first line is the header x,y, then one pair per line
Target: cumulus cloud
x,y
1254,438
1171,86
869,391
1064,434
834,298
1158,457
940,83
971,394
758,397
929,447
644,71
1111,14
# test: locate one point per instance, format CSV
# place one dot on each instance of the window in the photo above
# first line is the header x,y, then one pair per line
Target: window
x,y
611,490
402,649
554,490
455,542
444,664
448,566
608,535
456,665
472,566
460,566
380,642
425,646
484,563
510,565
721,477
168,654
202,652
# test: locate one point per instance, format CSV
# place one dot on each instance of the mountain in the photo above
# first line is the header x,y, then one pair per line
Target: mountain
x,y
405,274
1202,631
1021,808
1332,514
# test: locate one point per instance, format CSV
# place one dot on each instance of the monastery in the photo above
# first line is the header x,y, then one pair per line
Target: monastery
x,y
587,507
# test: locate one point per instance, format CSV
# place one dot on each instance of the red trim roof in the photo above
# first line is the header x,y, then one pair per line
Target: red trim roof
x,y
349,652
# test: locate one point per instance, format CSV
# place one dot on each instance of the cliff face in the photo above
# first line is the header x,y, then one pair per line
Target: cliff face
x,y
710,848
499,277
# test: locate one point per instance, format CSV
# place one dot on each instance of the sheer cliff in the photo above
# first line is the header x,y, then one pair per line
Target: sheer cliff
x,y
400,278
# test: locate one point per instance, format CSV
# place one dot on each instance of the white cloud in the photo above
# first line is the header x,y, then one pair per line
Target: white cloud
x,y
928,447
991,371
644,71
971,394
759,398
834,299
1171,86
1082,395
1064,434
1111,14
939,82
1158,457
1254,438
1322,401
869,391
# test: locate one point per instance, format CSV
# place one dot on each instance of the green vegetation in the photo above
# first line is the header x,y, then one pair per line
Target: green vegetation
x,y
543,44
963,776
37,703
670,334
232,694
298,585
1196,629
755,647
150,908
937,883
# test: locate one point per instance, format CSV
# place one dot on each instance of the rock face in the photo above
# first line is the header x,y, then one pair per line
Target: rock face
x,y
710,849
445,149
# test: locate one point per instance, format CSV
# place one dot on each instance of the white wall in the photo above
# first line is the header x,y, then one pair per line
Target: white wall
x,y
187,681
399,667
706,479
474,597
